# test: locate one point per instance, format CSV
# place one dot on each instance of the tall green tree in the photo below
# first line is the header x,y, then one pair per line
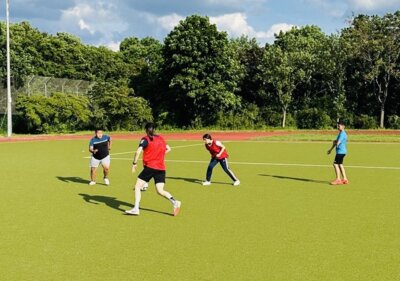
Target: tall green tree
x,y
249,55
62,56
375,43
144,59
308,49
106,65
336,83
201,72
115,107
281,74
23,53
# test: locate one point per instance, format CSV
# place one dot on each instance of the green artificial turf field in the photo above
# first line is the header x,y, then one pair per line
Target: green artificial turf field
x,y
284,222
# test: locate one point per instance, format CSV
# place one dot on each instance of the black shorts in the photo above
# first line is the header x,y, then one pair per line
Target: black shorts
x,y
339,159
148,173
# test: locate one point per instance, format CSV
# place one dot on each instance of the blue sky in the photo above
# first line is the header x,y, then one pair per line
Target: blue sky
x,y
102,22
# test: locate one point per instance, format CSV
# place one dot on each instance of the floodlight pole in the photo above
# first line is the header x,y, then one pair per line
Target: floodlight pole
x,y
9,100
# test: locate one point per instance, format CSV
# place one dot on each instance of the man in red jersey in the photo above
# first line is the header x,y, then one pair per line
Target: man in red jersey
x,y
218,155
154,149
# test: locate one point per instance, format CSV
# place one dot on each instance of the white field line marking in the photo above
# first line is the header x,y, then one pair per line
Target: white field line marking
x,y
277,164
172,147
307,142
349,142
250,141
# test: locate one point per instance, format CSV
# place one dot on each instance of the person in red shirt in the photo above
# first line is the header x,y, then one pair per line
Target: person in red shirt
x,y
154,149
218,155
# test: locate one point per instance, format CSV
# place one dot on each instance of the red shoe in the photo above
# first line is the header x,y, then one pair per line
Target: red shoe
x,y
336,182
177,207
345,181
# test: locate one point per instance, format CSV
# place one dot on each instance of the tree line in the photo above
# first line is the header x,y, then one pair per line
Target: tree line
x,y
198,78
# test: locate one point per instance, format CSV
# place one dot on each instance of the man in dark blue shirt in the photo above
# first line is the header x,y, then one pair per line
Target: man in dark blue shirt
x,y
99,146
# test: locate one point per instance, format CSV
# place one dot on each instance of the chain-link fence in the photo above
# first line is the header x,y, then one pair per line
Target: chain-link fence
x,y
44,86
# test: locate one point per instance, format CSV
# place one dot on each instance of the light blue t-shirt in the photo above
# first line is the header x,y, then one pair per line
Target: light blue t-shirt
x,y
342,147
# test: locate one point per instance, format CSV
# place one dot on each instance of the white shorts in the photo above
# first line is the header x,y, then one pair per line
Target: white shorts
x,y
105,162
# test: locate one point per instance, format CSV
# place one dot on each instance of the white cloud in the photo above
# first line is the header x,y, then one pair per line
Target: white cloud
x,y
113,45
236,25
276,28
83,26
235,2
168,22
100,19
370,5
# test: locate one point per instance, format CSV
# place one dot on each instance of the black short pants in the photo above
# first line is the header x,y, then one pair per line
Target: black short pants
x,y
339,159
148,173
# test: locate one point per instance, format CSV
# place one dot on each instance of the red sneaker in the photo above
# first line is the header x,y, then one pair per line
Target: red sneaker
x,y
345,181
177,207
336,182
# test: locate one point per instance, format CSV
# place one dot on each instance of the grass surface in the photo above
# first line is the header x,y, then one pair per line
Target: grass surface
x,y
285,222
329,136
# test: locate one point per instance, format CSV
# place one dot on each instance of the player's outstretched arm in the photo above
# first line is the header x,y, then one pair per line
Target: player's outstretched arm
x,y
136,158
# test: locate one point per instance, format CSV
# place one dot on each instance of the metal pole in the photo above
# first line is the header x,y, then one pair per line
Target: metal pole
x,y
9,100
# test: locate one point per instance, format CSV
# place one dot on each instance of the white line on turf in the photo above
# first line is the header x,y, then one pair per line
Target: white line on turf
x,y
172,147
276,164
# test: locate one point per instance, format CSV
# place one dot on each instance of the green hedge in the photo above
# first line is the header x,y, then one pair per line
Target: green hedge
x,y
55,114
313,118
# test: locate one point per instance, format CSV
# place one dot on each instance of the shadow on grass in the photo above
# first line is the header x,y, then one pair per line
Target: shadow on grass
x,y
195,180
73,179
77,180
295,179
114,203
186,179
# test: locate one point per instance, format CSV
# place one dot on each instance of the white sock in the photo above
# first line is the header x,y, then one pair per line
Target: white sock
x,y
172,200
138,196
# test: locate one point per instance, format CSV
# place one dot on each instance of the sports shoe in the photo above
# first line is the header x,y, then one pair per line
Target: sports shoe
x,y
236,183
92,183
177,207
336,182
345,181
106,181
145,186
134,212
206,183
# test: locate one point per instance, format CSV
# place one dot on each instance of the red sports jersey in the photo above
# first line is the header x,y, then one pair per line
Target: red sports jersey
x,y
214,149
154,153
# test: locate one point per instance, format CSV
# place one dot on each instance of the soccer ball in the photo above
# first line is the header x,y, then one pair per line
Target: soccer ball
x,y
144,188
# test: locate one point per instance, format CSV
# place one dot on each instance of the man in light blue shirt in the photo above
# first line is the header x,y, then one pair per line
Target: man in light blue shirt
x,y
341,150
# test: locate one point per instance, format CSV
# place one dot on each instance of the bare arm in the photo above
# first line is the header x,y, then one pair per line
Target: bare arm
x,y
334,144
109,144
222,150
92,150
136,158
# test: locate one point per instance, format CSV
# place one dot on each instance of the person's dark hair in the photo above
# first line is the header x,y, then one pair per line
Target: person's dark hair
x,y
207,136
341,122
150,127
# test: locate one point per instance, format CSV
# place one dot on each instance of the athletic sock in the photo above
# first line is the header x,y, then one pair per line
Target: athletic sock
x,y
172,200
